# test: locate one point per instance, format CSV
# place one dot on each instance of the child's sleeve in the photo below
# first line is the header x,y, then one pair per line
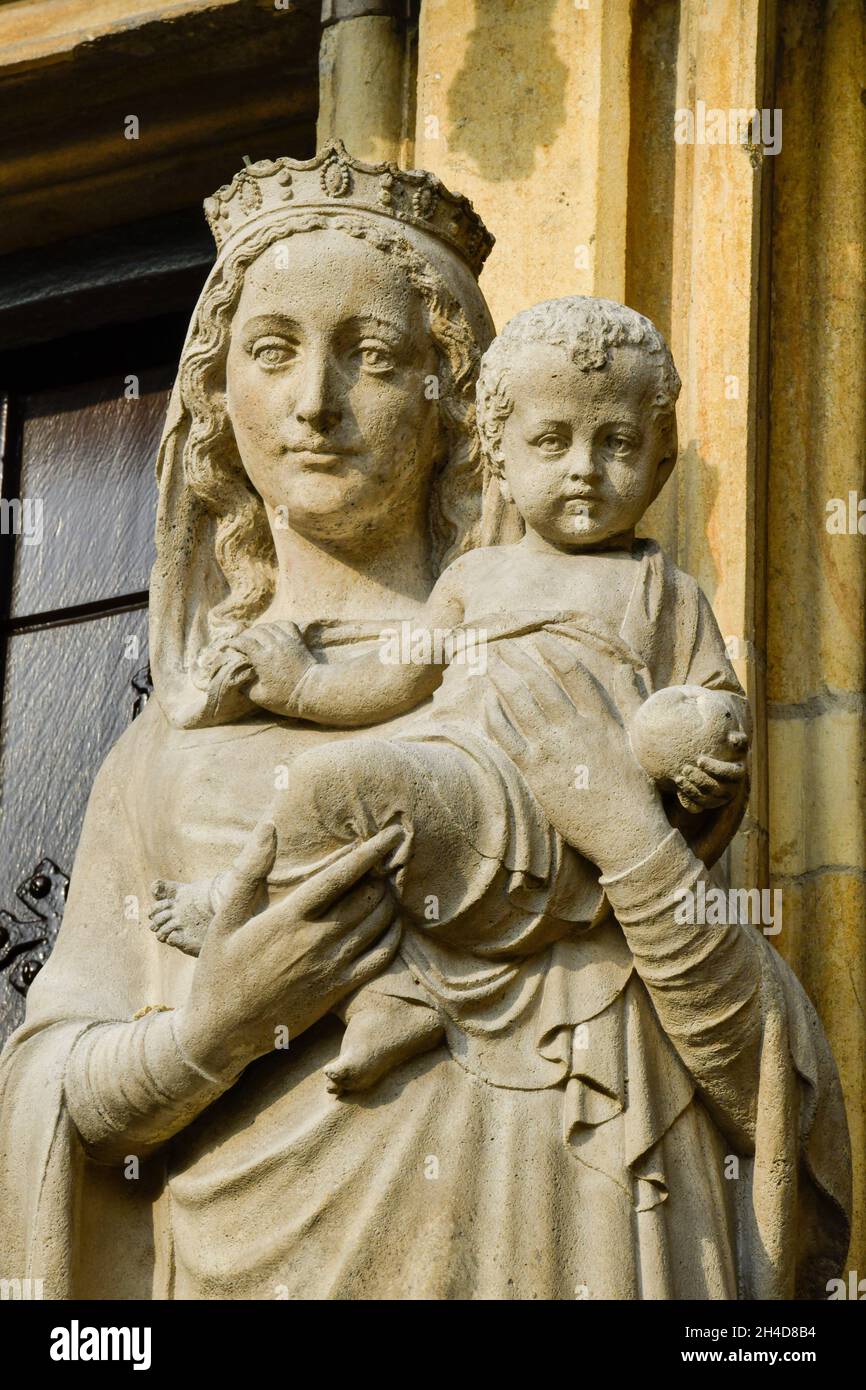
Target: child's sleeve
x,y
709,664
384,683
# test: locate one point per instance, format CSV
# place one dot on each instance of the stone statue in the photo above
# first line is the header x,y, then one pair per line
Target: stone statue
x,y
449,789
417,1015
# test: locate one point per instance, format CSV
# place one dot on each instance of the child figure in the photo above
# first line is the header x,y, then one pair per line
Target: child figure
x,y
576,410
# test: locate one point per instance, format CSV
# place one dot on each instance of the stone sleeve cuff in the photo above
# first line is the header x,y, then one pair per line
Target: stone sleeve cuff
x,y
704,980
652,887
129,1086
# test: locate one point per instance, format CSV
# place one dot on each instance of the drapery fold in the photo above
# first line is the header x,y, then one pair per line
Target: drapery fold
x,y
89,1231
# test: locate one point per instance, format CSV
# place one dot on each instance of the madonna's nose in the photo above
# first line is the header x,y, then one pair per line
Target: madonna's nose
x,y
317,403
319,415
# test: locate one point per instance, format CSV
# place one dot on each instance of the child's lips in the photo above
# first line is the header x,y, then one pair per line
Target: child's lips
x,y
581,501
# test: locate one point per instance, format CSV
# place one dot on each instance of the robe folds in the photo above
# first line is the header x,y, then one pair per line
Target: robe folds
x,y
653,1113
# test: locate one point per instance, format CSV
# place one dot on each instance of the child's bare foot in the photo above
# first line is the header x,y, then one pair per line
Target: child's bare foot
x,y
182,913
378,1039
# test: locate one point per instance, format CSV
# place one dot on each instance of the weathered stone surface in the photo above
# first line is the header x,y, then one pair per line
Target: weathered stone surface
x,y
569,1064
514,103
823,913
819,761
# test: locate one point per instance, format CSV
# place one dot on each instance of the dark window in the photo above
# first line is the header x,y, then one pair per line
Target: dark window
x,y
82,419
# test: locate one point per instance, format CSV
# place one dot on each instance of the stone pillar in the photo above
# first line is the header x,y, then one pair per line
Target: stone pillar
x,y
816,557
712,515
365,79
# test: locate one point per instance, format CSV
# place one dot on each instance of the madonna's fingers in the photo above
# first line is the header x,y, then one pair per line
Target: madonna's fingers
x,y
358,903
374,961
501,729
629,690
323,889
576,688
589,696
553,705
514,693
370,928
555,653
245,878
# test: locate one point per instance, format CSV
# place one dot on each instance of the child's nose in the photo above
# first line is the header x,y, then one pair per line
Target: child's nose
x,y
581,463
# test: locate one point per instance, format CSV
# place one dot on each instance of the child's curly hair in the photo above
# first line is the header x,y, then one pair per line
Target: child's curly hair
x,y
589,329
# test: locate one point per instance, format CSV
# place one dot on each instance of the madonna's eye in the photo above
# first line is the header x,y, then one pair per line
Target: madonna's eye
x,y
272,353
376,358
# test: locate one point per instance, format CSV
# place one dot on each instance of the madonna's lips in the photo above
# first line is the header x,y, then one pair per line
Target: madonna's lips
x,y
314,459
314,456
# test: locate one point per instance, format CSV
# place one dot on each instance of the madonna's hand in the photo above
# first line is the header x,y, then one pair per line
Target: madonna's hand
x,y
564,733
286,966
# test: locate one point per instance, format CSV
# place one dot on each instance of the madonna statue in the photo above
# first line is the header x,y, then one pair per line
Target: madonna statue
x,y
166,1125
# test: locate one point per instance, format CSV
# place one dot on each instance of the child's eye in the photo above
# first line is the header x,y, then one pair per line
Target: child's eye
x,y
620,443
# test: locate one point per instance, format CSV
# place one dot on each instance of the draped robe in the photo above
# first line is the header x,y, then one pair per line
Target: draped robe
x,y
697,1148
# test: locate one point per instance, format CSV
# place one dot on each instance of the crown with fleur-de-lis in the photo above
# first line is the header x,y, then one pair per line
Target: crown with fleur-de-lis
x,y
334,181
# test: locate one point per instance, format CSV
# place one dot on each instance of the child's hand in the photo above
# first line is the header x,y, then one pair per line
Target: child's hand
x,y
279,659
711,782
692,740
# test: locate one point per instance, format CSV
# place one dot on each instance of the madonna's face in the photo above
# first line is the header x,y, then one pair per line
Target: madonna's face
x,y
326,373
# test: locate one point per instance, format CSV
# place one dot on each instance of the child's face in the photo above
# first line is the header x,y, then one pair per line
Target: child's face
x,y
581,450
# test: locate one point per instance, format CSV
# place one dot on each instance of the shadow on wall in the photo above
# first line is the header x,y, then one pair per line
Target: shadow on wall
x,y
652,159
669,522
700,480
650,226
519,106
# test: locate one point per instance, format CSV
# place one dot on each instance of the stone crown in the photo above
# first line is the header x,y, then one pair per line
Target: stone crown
x,y
334,181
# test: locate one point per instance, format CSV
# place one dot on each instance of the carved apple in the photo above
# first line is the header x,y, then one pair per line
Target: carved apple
x,y
678,724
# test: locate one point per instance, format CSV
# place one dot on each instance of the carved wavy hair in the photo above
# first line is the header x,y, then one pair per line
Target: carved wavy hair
x,y
589,329
213,468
